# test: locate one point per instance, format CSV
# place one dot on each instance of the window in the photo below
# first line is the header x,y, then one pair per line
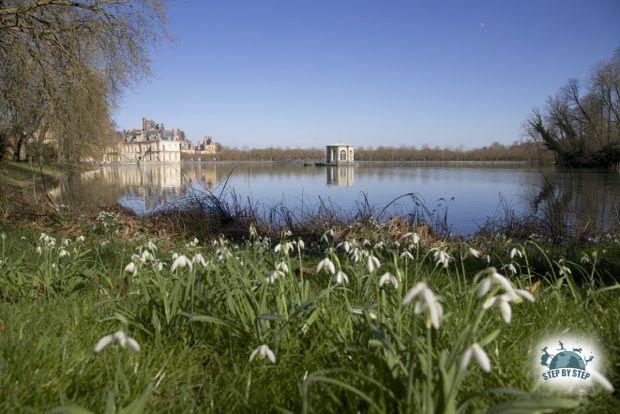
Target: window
x,y
343,155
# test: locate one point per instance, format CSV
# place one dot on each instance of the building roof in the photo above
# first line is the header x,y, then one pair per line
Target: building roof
x,y
339,145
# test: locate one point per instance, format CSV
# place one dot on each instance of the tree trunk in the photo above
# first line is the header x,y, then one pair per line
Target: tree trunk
x,y
8,152
21,149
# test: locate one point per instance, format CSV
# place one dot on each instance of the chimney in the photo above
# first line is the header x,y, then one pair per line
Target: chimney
x,y
143,123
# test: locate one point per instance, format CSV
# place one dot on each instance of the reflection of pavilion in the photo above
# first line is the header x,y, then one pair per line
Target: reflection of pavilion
x,y
342,175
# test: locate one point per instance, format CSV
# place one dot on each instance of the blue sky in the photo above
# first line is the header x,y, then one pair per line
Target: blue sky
x,y
306,73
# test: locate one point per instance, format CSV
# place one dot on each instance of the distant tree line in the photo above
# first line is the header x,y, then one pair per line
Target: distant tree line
x,y
524,151
63,63
581,125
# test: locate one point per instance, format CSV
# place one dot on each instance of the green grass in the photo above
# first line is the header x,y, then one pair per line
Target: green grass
x,y
20,175
338,348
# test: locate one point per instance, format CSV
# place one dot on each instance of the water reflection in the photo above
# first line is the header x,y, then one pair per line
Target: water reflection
x,y
477,188
341,175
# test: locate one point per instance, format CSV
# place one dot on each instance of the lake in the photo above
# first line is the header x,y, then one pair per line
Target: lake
x,y
464,194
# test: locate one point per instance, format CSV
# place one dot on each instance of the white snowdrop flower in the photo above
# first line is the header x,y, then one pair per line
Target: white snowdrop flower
x,y
151,246
53,265
159,265
487,258
388,278
372,263
366,242
515,252
39,250
80,239
63,253
406,255
492,279
301,244
146,256
442,257
274,275
415,237
198,258
341,278
585,259
181,261
327,264
524,294
284,248
174,255
511,268
104,243
263,351
346,246
103,342
65,242
3,236
131,268
600,379
356,254
472,252
502,302
479,355
192,243
283,267
564,271
118,338
425,300
379,245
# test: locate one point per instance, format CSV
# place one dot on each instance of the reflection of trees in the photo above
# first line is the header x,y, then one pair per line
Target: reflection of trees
x,y
586,198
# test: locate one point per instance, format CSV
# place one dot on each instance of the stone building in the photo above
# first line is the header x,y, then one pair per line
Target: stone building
x,y
340,154
151,144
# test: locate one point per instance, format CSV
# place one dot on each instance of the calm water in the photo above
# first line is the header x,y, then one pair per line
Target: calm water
x,y
469,193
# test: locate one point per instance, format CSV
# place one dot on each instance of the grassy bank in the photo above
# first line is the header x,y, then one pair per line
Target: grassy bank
x,y
22,175
341,336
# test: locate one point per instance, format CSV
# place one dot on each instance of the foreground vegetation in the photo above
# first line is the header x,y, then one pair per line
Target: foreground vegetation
x,y
21,176
113,319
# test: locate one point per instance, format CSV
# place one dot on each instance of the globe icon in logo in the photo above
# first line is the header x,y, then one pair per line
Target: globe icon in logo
x,y
567,359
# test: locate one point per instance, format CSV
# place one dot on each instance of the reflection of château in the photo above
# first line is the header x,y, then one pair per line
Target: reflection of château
x,y
342,175
159,184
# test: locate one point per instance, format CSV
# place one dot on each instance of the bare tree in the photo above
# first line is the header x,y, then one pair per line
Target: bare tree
x,y
583,129
53,50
